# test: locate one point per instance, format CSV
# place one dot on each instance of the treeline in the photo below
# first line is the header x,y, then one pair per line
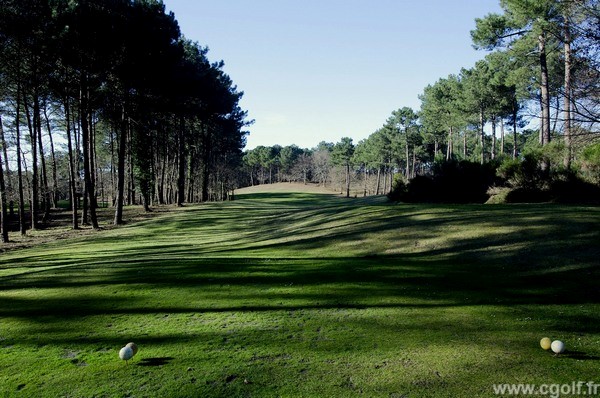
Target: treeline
x,y
367,168
544,69
105,100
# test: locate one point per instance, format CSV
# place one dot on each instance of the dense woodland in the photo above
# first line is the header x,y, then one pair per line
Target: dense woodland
x,y
542,69
105,103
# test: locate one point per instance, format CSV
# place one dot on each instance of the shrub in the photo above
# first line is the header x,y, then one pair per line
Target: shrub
x,y
526,174
567,187
527,195
452,182
398,188
419,189
464,181
532,184
590,163
512,181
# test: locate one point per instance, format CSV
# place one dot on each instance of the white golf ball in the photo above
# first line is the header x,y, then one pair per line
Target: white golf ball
x,y
133,347
558,346
126,353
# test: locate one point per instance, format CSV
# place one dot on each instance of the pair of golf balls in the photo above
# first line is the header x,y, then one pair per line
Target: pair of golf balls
x,y
557,346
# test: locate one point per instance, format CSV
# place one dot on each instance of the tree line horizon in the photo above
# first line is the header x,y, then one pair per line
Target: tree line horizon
x,y
543,65
148,119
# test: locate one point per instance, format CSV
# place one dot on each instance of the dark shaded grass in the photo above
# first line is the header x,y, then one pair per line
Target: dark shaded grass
x,y
379,277
294,295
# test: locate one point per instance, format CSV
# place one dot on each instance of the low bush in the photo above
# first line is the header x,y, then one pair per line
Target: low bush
x,y
590,163
531,182
419,189
570,188
526,174
399,188
452,182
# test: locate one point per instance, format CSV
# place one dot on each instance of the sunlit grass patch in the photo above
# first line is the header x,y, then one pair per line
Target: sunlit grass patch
x,y
306,295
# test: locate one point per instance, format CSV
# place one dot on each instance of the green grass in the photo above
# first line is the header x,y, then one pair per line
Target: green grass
x,y
303,295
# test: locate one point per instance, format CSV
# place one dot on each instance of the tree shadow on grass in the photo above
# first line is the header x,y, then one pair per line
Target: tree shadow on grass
x,y
154,362
536,230
545,260
207,302
261,285
580,356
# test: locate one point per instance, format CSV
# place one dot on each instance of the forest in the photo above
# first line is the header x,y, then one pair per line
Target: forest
x,y
106,103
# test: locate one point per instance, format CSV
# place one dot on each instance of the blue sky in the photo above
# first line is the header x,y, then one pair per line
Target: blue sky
x,y
315,70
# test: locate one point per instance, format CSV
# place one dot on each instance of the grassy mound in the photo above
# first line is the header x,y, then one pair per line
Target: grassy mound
x,y
280,294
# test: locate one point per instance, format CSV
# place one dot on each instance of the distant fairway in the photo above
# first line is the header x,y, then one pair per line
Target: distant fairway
x,y
286,187
306,294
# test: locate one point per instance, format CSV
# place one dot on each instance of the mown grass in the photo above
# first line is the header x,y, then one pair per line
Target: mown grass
x,y
302,295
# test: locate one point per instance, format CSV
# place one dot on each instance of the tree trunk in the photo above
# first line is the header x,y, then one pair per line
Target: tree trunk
x,y
414,162
22,220
96,173
385,180
378,181
163,175
407,154
449,148
124,126
181,164
365,182
88,150
482,135
347,180
502,136
493,152
515,114
85,217
92,158
6,164
206,143
192,160
545,93
131,195
53,157
113,161
33,209
567,99
3,212
46,193
72,181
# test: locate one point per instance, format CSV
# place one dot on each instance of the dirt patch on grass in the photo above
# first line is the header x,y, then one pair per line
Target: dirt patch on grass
x,y
58,226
